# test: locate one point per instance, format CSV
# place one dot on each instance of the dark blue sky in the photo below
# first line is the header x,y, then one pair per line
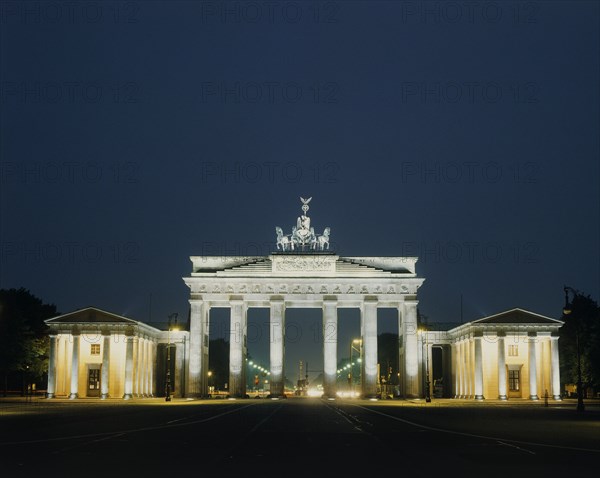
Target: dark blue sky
x,y
136,134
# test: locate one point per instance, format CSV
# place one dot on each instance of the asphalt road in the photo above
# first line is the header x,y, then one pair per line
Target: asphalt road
x,y
295,437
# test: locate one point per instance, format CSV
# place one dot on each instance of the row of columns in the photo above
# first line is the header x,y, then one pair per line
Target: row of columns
x,y
140,356
138,374
198,364
468,362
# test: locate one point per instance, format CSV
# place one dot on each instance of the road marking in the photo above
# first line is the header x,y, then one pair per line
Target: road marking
x,y
345,417
473,435
69,448
517,447
260,424
232,453
195,415
123,432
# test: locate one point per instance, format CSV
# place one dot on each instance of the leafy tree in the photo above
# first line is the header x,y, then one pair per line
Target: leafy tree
x,y
23,337
584,323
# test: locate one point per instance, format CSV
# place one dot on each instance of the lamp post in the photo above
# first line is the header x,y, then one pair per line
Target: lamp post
x,y
359,343
172,317
427,383
567,311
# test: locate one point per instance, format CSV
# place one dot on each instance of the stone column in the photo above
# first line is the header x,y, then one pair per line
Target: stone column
x,y
136,365
501,367
50,392
330,339
142,367
478,368
455,370
555,367
128,395
277,349
198,368
532,339
75,367
237,356
147,362
179,369
151,366
411,359
459,368
105,379
369,347
468,368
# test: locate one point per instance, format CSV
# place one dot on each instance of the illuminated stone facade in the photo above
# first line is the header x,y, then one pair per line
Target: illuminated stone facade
x,y
287,280
97,354
513,354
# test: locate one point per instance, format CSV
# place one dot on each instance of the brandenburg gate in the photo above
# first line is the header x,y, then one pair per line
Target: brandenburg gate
x,y
302,273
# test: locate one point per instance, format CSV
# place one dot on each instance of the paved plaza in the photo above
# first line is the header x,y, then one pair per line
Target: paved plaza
x,y
296,437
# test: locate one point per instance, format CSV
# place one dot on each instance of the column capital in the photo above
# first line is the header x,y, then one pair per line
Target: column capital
x,y
501,334
330,300
532,334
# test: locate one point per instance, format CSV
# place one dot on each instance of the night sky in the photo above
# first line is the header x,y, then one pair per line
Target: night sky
x,y
136,134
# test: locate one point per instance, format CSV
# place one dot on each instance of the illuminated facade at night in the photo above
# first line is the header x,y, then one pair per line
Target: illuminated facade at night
x,y
513,354
98,354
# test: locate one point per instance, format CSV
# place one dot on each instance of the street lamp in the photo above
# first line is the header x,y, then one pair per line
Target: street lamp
x,y
359,343
427,383
567,311
172,317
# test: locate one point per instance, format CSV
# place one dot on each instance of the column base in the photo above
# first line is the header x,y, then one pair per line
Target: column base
x,y
49,395
73,396
502,397
479,397
533,397
127,396
104,396
557,398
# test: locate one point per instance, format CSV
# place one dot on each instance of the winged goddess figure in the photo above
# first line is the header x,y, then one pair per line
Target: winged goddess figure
x,y
305,204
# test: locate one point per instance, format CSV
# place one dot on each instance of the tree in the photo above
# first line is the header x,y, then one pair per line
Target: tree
x,y
582,322
23,337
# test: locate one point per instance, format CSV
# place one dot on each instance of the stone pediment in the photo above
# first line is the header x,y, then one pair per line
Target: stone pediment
x,y
517,316
299,264
90,315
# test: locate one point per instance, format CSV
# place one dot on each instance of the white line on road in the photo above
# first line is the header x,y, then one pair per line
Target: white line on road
x,y
517,447
473,435
122,432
